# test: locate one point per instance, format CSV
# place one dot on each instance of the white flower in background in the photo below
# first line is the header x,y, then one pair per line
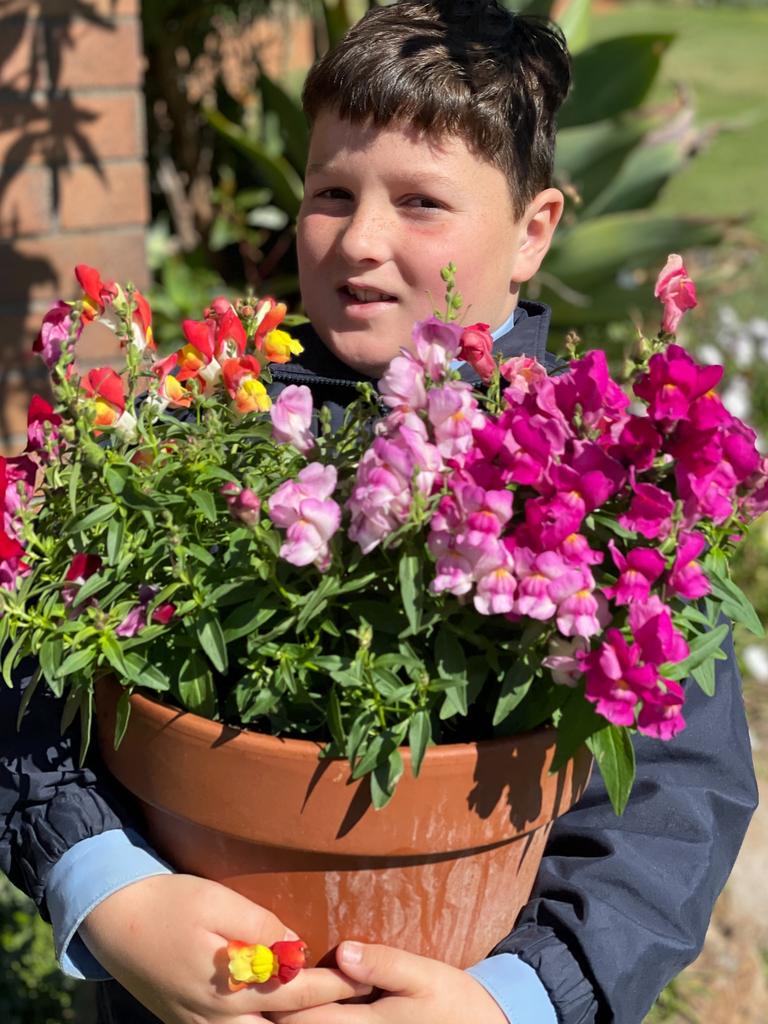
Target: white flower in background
x,y
736,397
755,657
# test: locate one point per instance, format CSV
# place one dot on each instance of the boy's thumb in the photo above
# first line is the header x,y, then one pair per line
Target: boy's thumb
x,y
384,967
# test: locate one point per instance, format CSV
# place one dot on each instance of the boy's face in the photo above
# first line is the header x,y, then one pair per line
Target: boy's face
x,y
384,210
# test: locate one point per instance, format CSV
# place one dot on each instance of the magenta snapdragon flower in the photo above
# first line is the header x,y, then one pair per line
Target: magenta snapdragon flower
x,y
687,578
616,679
672,385
640,568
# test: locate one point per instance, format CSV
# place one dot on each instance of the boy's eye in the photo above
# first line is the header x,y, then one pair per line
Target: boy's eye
x,y
423,203
334,193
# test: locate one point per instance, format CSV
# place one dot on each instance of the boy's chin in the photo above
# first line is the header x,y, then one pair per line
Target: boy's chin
x,y
364,354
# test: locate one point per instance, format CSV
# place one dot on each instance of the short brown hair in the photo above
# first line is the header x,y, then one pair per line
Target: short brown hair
x,y
465,68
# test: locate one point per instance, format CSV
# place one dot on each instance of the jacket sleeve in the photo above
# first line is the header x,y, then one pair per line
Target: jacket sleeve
x,y
622,905
47,803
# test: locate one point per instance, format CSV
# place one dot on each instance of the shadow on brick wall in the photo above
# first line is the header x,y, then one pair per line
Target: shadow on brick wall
x,y
42,129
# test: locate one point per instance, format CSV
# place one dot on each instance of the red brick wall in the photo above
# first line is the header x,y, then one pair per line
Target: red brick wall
x,y
73,178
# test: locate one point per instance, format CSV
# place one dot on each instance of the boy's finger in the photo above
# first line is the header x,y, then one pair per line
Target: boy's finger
x,y
311,987
385,967
329,1014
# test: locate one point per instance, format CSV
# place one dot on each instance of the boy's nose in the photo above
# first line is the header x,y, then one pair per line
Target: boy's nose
x,y
365,237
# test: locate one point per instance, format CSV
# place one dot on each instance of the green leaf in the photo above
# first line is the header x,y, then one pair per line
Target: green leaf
x,y
115,534
71,708
449,655
419,738
115,479
148,675
370,757
704,675
702,648
86,722
629,63
76,661
384,778
578,722
26,697
246,619
574,17
293,124
114,652
74,480
614,755
335,721
409,573
517,682
122,716
736,604
357,734
98,515
196,688
50,658
211,637
205,502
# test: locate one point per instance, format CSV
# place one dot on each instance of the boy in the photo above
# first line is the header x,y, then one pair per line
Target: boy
x,y
432,140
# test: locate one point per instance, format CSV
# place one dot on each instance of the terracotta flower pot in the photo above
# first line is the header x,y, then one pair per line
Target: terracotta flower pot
x,y
442,870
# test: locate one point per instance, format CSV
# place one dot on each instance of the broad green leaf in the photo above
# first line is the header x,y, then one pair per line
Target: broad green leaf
x,y
246,619
114,479
419,738
97,515
517,682
358,732
196,688
335,721
114,653
637,184
211,637
71,708
76,661
384,778
146,674
615,757
205,502
26,697
370,756
613,76
50,658
579,721
574,18
449,655
702,648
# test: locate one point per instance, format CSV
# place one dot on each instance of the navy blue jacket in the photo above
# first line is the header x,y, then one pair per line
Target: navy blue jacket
x,y
620,905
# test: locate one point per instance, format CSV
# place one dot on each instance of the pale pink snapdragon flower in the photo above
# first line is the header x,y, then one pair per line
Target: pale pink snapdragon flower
x,y
436,344
402,386
676,291
305,509
564,661
454,414
291,415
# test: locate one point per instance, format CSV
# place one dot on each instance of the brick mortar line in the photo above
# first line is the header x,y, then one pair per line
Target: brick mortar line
x,y
10,96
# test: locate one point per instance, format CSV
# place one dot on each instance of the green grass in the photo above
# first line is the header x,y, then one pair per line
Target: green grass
x,y
719,56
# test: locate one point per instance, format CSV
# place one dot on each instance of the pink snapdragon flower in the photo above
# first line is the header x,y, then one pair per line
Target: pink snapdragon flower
x,y
291,415
661,714
578,610
616,679
304,508
243,503
650,511
382,494
676,291
687,578
136,619
566,659
633,441
656,637
454,414
437,345
42,423
81,568
589,387
524,376
637,571
672,385
402,386
54,333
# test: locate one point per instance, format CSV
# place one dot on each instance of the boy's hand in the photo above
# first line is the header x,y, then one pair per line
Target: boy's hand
x,y
164,939
415,991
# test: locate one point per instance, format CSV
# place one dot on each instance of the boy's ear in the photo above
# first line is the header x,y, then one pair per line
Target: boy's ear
x,y
536,228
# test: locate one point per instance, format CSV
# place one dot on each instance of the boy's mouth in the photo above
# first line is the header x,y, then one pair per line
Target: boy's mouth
x,y
357,297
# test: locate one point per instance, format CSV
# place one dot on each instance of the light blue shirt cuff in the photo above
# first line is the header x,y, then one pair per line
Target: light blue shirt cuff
x,y
517,989
88,872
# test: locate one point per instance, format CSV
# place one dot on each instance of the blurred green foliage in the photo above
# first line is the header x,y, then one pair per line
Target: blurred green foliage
x,y
32,989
